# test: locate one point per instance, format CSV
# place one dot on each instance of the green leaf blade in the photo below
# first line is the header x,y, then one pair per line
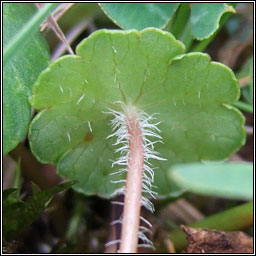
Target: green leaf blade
x,y
189,95
25,33
19,74
228,180
139,15
205,18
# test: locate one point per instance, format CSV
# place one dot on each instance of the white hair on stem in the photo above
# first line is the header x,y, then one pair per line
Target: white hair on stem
x,y
150,136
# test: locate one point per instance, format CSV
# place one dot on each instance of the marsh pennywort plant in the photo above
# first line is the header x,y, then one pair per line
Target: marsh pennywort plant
x,y
154,92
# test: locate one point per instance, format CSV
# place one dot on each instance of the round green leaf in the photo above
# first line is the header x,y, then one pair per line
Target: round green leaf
x,y
140,15
228,180
188,94
205,18
19,74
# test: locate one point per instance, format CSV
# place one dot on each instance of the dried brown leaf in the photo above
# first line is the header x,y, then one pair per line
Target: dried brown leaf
x,y
215,241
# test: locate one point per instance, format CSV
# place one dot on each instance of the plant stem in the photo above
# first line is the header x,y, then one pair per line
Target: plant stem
x,y
233,219
72,35
181,18
186,35
56,29
251,81
133,189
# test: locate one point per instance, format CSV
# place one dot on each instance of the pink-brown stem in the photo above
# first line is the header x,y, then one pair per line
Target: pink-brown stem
x,y
133,189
